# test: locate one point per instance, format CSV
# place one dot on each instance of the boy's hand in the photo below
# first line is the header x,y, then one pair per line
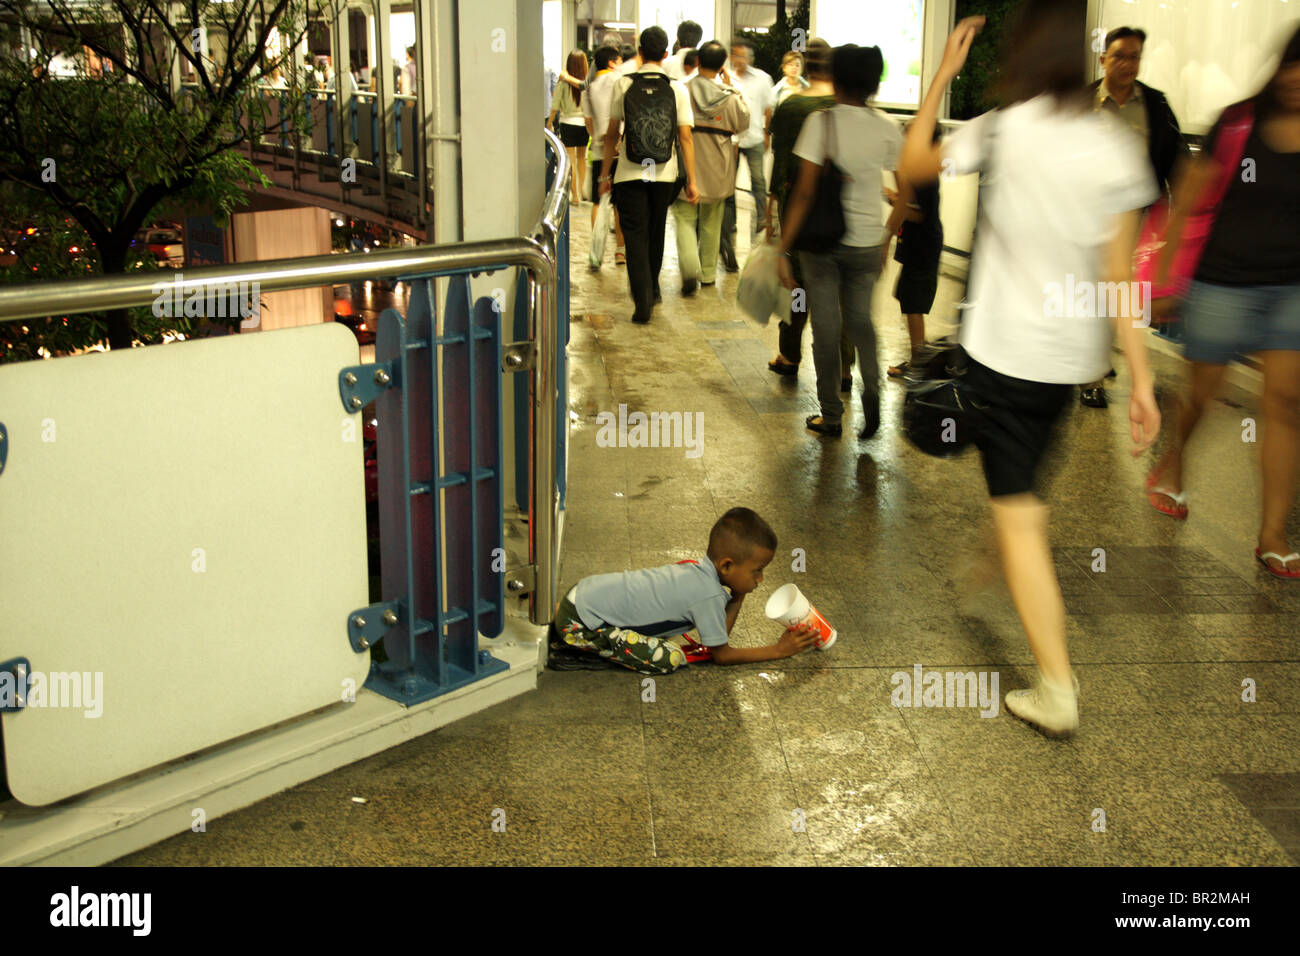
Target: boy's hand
x,y
796,640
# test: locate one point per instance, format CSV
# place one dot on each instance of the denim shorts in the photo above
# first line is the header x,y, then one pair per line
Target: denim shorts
x,y
1224,321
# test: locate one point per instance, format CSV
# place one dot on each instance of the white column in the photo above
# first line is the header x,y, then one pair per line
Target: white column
x,y
439,61
501,90
723,22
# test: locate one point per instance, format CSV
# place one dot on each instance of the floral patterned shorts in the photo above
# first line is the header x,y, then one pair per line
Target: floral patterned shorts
x,y
646,655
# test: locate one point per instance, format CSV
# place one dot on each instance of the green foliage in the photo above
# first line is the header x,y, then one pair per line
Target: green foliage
x,y
973,89
109,152
770,47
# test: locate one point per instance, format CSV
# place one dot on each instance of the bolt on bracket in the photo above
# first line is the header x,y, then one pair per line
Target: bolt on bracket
x,y
517,357
368,625
359,385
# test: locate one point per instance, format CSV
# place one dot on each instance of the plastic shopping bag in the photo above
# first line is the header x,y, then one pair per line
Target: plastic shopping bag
x,y
760,293
600,231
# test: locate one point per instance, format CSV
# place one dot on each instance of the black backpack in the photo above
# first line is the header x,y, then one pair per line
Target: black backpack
x,y
650,118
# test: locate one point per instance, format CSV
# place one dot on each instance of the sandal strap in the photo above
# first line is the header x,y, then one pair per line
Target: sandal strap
x,y
1178,498
1293,556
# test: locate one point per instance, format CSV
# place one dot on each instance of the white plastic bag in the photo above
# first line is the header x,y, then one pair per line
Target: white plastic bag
x,y
760,293
600,231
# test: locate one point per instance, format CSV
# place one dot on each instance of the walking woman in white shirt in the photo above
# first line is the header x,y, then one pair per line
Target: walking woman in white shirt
x,y
860,143
1063,191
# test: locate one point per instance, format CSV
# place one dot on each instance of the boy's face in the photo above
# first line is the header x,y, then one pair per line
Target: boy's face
x,y
744,576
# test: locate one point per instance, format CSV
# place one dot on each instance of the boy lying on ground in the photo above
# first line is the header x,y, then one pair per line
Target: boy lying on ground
x,y
627,617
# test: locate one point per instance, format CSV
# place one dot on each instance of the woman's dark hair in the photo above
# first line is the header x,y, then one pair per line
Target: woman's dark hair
x,y
712,55
576,67
817,59
1266,102
1044,53
856,70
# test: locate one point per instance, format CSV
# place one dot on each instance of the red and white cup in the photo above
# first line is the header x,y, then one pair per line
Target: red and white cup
x,y
791,608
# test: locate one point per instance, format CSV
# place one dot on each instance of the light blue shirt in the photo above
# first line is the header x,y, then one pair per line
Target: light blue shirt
x,y
657,601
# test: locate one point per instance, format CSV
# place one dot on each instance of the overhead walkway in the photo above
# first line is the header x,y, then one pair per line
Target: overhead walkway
x,y
718,765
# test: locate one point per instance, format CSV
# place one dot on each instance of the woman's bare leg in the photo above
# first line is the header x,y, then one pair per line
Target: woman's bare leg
x,y
1020,522
1279,449
1204,383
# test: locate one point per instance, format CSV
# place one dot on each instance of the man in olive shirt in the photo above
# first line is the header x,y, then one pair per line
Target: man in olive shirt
x,y
1144,110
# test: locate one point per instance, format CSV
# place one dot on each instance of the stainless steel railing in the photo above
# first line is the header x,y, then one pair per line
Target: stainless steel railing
x,y
536,253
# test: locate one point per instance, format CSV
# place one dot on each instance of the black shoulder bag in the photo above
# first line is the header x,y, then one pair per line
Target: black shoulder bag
x,y
823,227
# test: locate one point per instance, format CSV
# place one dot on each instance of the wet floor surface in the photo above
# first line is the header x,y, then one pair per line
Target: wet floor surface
x,y
1188,751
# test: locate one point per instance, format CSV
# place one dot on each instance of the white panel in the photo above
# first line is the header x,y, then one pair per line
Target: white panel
x,y
893,25
120,466
1205,54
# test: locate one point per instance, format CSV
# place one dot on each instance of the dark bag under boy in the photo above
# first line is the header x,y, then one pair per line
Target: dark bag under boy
x,y
650,118
823,227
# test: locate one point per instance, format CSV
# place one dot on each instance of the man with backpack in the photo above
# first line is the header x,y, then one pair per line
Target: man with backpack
x,y
655,161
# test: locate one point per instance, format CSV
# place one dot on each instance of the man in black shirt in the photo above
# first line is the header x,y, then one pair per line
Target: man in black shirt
x,y
1147,112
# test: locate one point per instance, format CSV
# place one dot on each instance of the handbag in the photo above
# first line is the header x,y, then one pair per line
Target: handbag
x,y
1238,122
942,415
823,227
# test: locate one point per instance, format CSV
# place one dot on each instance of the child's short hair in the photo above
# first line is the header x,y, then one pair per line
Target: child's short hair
x,y
737,533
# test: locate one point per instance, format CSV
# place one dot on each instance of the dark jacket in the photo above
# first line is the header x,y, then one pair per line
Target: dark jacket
x,y
1165,142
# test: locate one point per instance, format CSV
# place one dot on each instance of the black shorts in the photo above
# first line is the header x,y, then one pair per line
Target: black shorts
x,y
573,136
916,288
1015,430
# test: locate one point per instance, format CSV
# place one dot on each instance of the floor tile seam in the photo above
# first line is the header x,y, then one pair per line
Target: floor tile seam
x,y
789,773
649,785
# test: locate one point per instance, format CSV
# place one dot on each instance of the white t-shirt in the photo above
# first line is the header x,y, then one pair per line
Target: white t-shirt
x,y
1056,183
675,65
595,105
865,142
664,172
627,66
756,87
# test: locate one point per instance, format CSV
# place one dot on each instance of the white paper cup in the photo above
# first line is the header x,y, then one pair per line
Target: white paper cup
x,y
791,608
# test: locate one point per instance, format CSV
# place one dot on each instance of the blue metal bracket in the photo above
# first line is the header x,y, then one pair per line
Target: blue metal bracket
x,y
4,447
13,685
359,385
368,625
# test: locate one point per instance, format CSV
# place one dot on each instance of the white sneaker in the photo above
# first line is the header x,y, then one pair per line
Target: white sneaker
x,y
1053,709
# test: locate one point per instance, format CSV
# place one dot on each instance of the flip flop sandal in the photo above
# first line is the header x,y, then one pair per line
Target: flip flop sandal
x,y
1179,510
901,370
1285,573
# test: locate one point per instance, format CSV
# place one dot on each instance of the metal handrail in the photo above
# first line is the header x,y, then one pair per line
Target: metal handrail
x,y
535,253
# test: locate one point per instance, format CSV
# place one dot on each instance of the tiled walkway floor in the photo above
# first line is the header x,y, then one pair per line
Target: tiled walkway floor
x,y
807,760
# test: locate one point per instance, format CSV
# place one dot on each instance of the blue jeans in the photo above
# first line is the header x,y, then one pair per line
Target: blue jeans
x,y
757,188
839,286
1224,321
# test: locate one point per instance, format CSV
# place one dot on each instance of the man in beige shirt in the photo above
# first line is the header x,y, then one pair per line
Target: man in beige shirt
x,y
720,112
